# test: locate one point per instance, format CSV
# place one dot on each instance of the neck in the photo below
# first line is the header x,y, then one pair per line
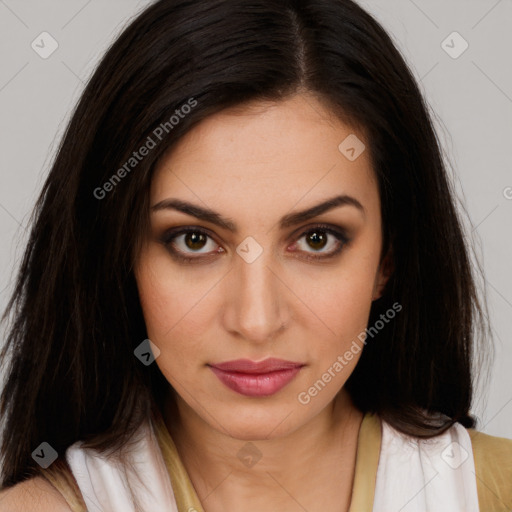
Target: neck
x,y
281,470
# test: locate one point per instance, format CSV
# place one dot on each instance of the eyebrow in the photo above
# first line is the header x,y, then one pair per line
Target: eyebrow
x,y
288,220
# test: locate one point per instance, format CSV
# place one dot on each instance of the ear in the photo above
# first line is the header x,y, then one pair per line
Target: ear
x,y
384,272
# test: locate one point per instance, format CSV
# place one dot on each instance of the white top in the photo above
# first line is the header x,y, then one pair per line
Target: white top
x,y
103,482
426,475
413,475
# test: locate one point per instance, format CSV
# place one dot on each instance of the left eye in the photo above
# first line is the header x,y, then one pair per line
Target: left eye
x,y
197,241
320,238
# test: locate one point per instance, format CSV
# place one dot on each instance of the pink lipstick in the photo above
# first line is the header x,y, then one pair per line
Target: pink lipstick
x,y
252,378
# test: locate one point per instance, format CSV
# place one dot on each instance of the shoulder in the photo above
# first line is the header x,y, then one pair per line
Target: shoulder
x,y
36,494
493,468
491,452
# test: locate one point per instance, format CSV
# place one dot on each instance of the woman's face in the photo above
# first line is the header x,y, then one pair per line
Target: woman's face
x,y
261,279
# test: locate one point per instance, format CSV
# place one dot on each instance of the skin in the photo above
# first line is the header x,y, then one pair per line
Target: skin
x,y
254,165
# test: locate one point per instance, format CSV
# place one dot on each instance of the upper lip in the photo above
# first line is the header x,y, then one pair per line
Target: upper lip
x,y
248,366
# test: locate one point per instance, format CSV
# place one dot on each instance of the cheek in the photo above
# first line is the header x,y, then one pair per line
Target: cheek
x,y
339,298
343,310
164,306
157,301
177,308
170,297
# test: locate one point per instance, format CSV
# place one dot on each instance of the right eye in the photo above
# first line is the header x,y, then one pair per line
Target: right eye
x,y
191,240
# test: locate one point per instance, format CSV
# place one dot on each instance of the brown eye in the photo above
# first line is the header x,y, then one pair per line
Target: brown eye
x,y
188,244
319,238
195,240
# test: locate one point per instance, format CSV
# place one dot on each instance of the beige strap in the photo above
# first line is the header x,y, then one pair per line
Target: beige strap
x,y
184,492
367,460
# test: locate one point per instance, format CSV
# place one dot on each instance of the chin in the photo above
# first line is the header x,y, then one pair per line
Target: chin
x,y
257,424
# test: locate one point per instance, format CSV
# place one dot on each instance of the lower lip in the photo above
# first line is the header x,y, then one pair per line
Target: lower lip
x,y
252,384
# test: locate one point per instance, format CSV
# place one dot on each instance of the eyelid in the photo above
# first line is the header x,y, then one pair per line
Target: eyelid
x,y
328,228
339,233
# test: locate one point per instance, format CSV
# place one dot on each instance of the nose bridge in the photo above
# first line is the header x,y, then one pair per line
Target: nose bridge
x,y
256,302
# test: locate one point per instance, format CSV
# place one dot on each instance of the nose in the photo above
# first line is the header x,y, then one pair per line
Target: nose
x,y
256,309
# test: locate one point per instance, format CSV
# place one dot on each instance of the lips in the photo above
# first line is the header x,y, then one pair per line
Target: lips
x,y
251,378
252,367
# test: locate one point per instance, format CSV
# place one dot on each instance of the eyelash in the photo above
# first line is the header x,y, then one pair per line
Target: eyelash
x,y
169,236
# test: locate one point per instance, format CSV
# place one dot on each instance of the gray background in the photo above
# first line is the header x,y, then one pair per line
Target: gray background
x,y
471,96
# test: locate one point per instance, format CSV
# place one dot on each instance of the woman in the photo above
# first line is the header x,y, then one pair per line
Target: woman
x,y
247,286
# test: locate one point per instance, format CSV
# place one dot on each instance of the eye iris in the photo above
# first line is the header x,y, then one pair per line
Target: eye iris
x,y
318,240
192,240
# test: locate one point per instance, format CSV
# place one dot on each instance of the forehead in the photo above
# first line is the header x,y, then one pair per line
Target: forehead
x,y
263,155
